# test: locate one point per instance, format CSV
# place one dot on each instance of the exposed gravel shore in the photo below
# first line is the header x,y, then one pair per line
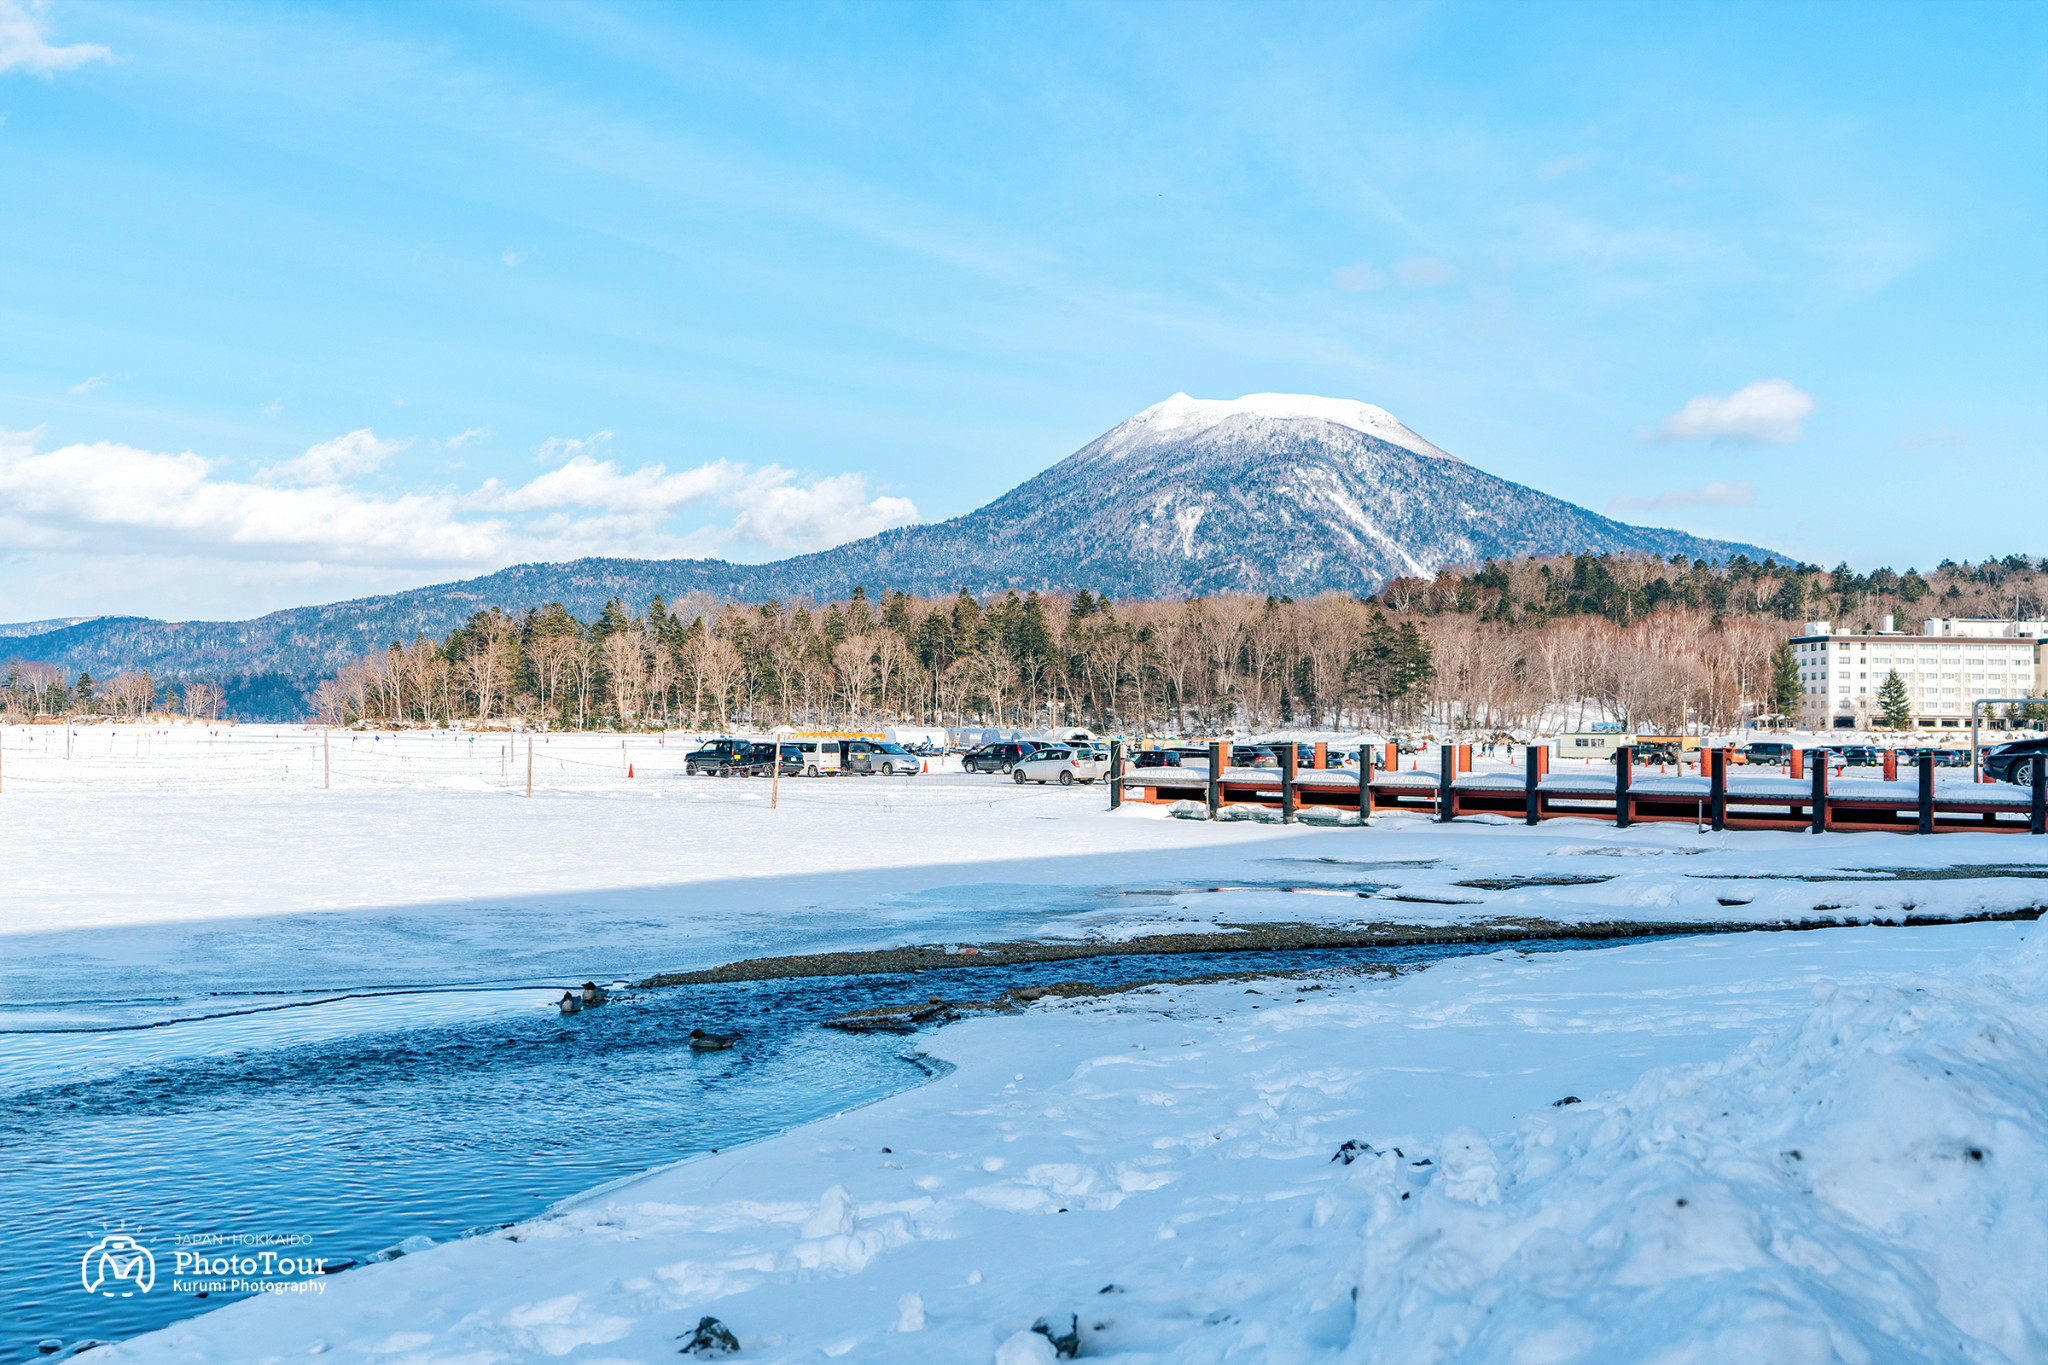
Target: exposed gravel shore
x,y
1249,938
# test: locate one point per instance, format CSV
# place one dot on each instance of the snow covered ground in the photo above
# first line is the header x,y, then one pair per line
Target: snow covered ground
x,y
1808,1147
183,864
1812,1146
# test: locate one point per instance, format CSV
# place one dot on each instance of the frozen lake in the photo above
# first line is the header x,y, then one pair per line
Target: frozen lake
x,y
318,1012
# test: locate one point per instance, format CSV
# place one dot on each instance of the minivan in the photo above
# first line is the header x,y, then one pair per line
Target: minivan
x,y
815,756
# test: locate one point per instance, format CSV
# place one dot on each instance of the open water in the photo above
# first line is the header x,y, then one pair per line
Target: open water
x,y
341,1128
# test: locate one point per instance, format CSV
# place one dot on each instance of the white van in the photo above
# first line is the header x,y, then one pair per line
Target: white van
x,y
820,756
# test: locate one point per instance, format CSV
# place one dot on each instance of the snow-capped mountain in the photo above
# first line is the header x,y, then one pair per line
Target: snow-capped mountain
x,y
1279,493
1268,493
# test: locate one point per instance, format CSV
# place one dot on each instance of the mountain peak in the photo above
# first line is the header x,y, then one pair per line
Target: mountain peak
x,y
1181,417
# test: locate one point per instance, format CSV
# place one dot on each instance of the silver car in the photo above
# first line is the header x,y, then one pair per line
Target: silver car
x,y
1062,765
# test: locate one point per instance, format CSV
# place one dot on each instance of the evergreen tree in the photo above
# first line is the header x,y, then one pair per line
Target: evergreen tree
x,y
932,641
1391,664
1893,703
1786,685
1415,664
896,616
1031,637
967,625
1790,602
83,693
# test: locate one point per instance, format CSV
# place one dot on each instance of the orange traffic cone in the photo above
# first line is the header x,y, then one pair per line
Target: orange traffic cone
x,y
629,770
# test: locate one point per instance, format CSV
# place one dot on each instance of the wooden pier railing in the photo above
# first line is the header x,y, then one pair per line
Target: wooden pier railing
x,y
1718,799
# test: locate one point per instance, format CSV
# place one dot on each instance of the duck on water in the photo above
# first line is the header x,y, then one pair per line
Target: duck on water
x,y
593,996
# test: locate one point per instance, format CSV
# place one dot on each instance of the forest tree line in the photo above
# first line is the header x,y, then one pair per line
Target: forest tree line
x,y
1532,644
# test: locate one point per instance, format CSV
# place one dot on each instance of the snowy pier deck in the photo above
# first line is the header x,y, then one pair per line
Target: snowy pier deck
x,y
1623,797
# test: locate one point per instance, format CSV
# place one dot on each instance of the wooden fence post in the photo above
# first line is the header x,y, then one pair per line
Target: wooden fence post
x,y
1365,756
1717,786
1927,793
1288,757
1447,777
1215,779
2037,771
1322,754
1116,773
1891,765
1532,781
1798,759
1820,797
1624,770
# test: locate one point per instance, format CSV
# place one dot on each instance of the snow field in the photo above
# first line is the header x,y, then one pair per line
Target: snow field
x,y
1868,1184
1187,1132
1159,1165
194,860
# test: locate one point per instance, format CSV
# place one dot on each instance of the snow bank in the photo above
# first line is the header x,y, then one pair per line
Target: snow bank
x,y
1869,1185
1156,1168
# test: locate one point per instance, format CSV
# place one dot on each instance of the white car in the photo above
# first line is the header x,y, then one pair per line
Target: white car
x,y
1064,766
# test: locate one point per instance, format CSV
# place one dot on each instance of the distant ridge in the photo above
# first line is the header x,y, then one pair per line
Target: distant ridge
x,y
1281,493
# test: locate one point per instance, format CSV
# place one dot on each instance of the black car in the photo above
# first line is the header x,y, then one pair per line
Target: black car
x,y
1943,758
721,756
1155,758
2016,762
997,758
1860,756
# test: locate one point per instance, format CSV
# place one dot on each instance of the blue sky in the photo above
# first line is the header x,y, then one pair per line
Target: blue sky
x,y
302,303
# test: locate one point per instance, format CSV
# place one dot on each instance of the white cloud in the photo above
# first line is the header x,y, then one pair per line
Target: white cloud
x,y
1769,410
88,385
792,516
1359,277
463,438
558,448
110,498
1417,272
92,503
775,506
588,482
1931,436
1708,495
1420,272
512,257
1565,165
24,45
336,461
